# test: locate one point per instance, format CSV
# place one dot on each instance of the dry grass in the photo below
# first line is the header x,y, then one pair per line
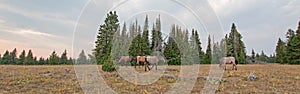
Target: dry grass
x,y
272,78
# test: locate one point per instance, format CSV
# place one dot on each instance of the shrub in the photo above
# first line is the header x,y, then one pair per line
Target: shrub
x,y
174,61
108,66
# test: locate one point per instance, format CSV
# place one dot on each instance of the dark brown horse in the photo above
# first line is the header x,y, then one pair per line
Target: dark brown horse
x,y
228,60
125,59
149,60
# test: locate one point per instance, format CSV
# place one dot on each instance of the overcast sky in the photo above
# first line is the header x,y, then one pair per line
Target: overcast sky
x,y
47,25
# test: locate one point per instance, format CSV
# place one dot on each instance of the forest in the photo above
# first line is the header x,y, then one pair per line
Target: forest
x,y
144,40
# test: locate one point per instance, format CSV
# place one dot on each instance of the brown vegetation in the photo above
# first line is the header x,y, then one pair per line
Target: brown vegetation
x,y
271,78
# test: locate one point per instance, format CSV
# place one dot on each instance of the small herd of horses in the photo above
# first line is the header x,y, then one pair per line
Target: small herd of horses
x,y
153,60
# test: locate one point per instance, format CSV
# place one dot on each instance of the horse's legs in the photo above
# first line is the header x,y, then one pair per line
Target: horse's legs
x,y
145,66
235,67
148,64
137,61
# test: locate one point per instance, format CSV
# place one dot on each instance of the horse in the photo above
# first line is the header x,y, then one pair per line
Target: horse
x,y
153,60
149,60
125,59
228,60
142,59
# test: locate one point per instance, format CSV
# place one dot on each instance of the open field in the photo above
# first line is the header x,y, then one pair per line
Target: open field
x,y
271,78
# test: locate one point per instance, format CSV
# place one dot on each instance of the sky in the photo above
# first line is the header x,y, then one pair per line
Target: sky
x,y
55,25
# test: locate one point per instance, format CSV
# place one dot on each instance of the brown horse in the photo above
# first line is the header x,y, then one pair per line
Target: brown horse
x,y
142,59
228,60
149,60
153,60
125,59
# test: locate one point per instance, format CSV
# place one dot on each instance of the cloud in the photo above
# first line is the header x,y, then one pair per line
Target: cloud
x,y
37,14
27,38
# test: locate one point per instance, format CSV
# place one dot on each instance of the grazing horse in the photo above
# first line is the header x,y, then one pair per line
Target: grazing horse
x,y
153,60
142,59
125,59
228,60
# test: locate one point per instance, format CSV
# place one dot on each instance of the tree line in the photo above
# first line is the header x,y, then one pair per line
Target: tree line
x,y
288,50
12,58
113,42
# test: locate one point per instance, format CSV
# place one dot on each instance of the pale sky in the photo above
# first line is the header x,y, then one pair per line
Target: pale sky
x,y
47,25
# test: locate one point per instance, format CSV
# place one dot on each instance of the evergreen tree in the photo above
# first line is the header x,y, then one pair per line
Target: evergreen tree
x,y
41,61
13,56
105,36
145,45
280,52
6,58
47,61
21,59
293,48
252,56
198,45
289,34
91,59
29,59
64,58
257,56
35,61
236,46
82,59
54,59
124,41
263,57
156,44
208,55
171,51
70,60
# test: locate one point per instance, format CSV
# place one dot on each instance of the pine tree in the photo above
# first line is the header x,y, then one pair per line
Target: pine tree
x,y
13,56
124,41
198,45
53,59
171,51
253,56
133,41
21,59
41,61
70,60
91,59
6,58
29,59
293,48
47,61
64,58
236,46
263,57
145,39
35,61
105,36
289,35
156,44
82,59
208,54
280,52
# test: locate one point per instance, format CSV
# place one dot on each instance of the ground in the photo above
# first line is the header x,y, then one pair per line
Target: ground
x,y
271,78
